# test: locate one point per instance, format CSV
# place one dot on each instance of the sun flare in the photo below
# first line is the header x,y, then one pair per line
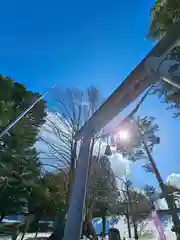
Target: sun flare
x,y
124,135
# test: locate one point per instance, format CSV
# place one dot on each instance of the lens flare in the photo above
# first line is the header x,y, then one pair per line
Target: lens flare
x,y
124,135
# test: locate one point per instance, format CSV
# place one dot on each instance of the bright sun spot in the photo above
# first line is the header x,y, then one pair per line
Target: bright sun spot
x,y
124,135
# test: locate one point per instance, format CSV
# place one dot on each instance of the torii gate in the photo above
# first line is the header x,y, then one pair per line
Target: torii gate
x,y
151,69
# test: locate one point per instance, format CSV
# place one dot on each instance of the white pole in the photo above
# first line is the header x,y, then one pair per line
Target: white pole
x,y
13,123
77,202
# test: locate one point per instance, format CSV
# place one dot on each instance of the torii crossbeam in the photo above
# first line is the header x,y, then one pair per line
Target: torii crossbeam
x,y
135,84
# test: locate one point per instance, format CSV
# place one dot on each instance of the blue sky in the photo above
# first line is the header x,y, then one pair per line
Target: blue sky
x,y
81,43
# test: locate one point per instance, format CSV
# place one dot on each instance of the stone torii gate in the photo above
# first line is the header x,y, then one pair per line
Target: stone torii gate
x,y
152,68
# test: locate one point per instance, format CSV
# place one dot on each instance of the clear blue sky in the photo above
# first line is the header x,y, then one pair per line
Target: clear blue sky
x,y
81,43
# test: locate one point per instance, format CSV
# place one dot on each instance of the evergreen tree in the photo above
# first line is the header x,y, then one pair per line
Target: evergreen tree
x,y
19,160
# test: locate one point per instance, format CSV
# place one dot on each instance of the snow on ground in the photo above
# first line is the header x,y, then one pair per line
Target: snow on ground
x,y
147,230
27,236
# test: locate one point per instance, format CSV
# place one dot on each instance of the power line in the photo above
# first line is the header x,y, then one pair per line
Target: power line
x,y
15,121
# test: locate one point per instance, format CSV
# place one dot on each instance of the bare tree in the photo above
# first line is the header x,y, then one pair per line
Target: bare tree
x,y
135,204
72,109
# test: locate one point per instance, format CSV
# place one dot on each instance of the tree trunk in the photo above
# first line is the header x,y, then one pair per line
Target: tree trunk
x,y
36,233
103,227
136,237
169,198
58,231
24,231
132,215
23,234
28,220
2,217
15,234
89,226
114,234
71,174
91,230
128,223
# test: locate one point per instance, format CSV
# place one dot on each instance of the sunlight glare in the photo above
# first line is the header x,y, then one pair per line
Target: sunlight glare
x,y
124,135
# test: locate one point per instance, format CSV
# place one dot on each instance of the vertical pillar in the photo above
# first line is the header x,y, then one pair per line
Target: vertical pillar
x,y
76,207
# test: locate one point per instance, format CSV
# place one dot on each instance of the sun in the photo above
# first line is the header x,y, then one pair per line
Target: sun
x,y
124,135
